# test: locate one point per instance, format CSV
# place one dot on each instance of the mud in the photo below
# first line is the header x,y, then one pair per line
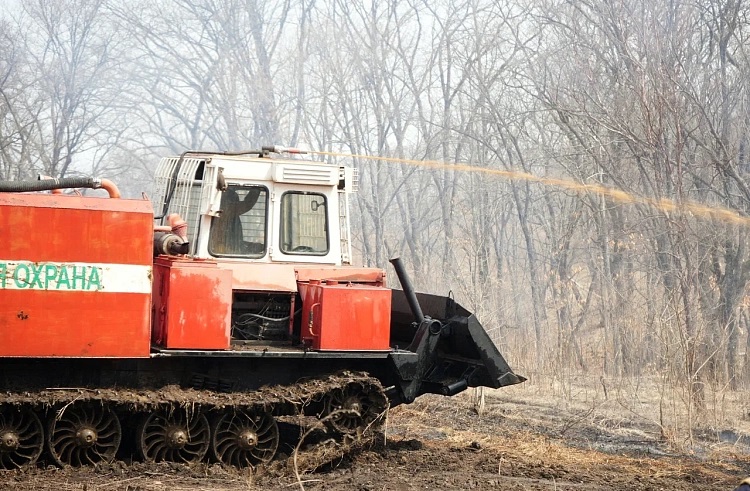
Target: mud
x,y
441,443
290,397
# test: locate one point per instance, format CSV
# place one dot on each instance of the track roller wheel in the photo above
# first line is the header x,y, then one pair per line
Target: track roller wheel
x,y
173,436
83,434
244,438
21,437
361,405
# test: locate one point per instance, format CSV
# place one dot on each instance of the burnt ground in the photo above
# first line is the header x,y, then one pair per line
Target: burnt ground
x,y
519,442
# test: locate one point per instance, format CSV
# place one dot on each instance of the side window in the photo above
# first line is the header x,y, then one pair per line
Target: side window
x,y
304,223
240,231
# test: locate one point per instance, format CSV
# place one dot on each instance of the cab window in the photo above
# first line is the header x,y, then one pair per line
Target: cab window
x,y
240,230
304,223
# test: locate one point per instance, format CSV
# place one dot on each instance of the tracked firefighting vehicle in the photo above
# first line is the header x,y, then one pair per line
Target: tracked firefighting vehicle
x,y
201,325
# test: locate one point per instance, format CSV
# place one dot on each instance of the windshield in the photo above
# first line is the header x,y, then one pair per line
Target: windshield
x,y
240,231
304,223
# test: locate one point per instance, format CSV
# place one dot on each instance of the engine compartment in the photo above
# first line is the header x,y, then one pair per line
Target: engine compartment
x,y
262,316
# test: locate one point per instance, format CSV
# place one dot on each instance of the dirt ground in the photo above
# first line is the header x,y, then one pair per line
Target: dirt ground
x,y
523,440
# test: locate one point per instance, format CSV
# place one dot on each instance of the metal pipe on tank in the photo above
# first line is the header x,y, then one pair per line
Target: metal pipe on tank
x,y
178,225
111,188
411,296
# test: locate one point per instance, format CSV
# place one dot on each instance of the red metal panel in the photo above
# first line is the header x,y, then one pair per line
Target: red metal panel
x,y
345,317
192,303
48,227
72,324
74,276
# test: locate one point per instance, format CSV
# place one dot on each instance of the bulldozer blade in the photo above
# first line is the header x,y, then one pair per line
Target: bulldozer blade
x,y
445,353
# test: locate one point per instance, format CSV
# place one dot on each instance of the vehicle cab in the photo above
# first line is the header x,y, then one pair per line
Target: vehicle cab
x,y
259,209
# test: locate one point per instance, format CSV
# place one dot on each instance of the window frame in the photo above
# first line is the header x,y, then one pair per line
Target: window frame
x,y
267,215
326,224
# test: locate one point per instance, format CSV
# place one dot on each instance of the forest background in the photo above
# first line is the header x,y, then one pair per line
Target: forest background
x,y
648,98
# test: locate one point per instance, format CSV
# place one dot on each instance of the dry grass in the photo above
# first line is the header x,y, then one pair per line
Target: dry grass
x,y
645,408
526,430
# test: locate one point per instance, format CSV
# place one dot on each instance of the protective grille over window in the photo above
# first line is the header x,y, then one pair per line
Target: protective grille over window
x,y
241,228
304,225
186,185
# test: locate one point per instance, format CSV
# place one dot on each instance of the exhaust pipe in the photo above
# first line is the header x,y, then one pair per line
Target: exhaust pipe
x,y
411,296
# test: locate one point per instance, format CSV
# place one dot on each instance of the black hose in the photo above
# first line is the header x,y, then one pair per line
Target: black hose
x,y
49,184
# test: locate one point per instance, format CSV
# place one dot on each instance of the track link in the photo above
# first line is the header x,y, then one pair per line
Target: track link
x,y
83,426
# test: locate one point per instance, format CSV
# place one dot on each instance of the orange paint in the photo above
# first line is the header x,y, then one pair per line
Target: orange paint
x,y
283,277
111,188
371,276
70,324
271,277
192,304
340,317
47,227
